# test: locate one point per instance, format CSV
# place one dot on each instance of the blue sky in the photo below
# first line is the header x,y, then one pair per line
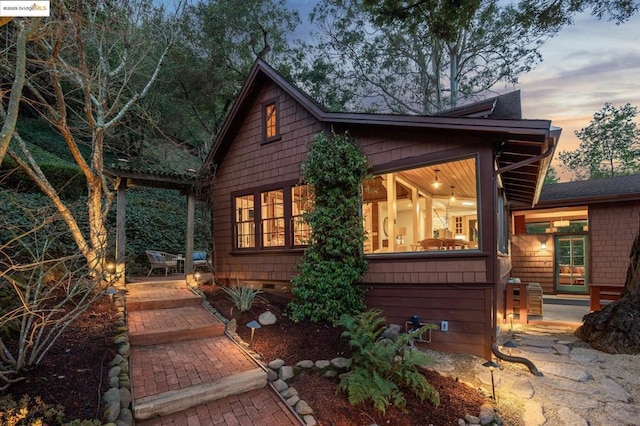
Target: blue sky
x,y
584,66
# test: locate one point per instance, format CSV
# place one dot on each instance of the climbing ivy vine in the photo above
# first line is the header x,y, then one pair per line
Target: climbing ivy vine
x,y
327,283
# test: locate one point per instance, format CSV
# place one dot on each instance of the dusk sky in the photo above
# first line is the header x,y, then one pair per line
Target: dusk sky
x,y
584,66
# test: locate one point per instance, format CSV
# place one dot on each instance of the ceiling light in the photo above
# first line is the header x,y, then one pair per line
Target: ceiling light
x,y
561,223
453,197
436,183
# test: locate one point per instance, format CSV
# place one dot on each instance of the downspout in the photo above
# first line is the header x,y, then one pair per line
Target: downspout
x,y
494,346
518,359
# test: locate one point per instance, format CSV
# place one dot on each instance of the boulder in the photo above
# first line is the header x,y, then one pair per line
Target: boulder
x,y
267,318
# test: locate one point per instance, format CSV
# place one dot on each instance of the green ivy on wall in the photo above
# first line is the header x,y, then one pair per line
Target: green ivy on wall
x,y
327,283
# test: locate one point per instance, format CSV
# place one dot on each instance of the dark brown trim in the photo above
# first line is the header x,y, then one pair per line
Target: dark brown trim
x,y
428,160
276,103
443,255
257,217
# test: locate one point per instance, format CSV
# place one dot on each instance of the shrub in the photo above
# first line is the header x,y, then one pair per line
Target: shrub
x,y
29,412
241,296
380,367
327,283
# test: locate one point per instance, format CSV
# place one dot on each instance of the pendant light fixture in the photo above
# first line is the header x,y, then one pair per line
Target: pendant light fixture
x,y
436,183
453,197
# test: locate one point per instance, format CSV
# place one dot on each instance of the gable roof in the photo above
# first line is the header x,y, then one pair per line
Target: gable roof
x,y
507,106
523,156
594,191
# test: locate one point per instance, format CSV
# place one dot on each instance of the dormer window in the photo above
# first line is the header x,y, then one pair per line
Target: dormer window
x,y
270,121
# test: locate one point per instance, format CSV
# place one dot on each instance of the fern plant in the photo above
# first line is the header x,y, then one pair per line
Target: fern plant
x,y
380,367
241,296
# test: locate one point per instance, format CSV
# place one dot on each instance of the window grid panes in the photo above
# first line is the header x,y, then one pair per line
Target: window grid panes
x,y
245,224
271,123
301,202
273,232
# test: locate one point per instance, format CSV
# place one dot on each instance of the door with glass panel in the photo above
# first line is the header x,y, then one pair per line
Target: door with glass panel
x,y
571,263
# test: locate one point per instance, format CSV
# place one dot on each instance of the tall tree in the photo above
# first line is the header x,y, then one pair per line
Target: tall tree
x,y
545,14
91,64
428,57
24,30
221,41
551,177
610,145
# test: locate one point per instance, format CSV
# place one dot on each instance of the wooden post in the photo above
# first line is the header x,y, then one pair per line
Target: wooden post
x,y
121,236
188,247
522,303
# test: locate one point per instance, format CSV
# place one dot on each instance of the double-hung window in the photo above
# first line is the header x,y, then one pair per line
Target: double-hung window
x,y
272,218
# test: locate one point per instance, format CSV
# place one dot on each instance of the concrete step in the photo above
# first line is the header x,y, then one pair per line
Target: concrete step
x,y
157,326
192,396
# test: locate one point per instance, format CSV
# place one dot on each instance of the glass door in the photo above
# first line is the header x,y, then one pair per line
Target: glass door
x,y
571,263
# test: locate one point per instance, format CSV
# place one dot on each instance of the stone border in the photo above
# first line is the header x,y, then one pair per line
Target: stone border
x,y
118,399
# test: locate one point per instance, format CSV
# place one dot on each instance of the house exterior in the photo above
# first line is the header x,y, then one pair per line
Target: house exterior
x,y
579,234
435,210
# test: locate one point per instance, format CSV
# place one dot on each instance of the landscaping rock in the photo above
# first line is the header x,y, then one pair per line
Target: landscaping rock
x,y
232,326
309,420
276,364
341,363
303,409
286,372
280,385
125,418
271,375
267,318
125,397
111,396
112,412
307,363
392,332
322,364
288,393
114,371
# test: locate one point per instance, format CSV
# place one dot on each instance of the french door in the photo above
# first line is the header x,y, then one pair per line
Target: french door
x,y
571,264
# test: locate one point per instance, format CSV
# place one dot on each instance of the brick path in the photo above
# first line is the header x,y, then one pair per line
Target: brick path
x,y
177,366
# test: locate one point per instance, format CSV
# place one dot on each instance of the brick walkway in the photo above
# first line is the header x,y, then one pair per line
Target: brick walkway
x,y
174,366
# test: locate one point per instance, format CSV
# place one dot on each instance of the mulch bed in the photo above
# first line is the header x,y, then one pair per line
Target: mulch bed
x,y
74,371
295,342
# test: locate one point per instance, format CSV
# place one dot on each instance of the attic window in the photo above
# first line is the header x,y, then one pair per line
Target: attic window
x,y
271,123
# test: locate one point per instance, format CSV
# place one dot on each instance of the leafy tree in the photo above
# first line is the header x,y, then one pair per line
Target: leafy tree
x,y
545,14
221,41
610,145
551,176
426,57
331,267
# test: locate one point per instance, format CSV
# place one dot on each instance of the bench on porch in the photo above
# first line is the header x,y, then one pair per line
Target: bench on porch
x,y
161,260
598,293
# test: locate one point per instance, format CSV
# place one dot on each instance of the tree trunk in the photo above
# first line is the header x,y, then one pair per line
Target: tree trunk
x,y
616,327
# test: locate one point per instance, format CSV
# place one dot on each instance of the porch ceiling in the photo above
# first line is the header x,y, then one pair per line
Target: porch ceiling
x,y
523,161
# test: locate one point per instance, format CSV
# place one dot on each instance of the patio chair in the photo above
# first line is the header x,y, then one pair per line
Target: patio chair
x,y
200,259
161,260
